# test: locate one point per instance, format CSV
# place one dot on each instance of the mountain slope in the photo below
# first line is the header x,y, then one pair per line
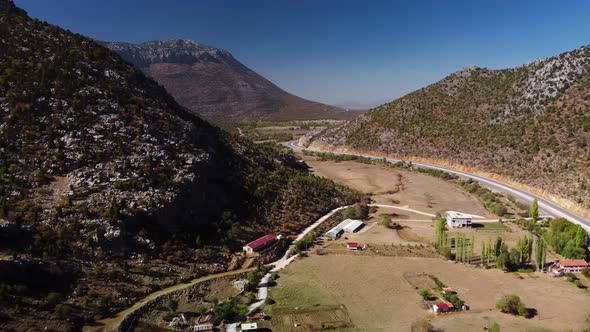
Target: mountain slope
x,y
212,83
530,124
105,181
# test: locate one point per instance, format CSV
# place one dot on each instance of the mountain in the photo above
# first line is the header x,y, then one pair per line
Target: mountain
x,y
212,83
105,182
529,124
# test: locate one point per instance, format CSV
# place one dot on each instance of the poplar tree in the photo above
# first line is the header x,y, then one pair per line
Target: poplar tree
x,y
472,248
483,252
498,247
489,255
534,212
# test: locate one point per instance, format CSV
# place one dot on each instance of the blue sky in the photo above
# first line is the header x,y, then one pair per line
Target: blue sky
x,y
340,51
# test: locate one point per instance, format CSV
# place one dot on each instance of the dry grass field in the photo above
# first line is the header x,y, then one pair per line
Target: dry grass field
x,y
379,298
399,187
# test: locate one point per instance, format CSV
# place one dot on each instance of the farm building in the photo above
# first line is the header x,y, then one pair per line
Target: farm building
x,y
457,219
352,245
249,327
442,307
203,327
208,318
569,266
353,226
260,243
346,226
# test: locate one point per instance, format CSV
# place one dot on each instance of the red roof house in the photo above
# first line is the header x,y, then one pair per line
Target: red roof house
x,y
571,265
260,243
207,318
442,307
257,316
352,245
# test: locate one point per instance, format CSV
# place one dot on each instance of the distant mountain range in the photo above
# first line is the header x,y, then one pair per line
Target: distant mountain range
x,y
529,124
212,83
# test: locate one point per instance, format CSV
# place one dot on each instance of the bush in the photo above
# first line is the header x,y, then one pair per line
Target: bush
x,y
579,284
172,304
586,272
63,310
425,293
53,298
571,277
512,304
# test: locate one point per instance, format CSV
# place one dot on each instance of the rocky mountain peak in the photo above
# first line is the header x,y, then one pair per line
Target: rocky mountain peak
x,y
181,51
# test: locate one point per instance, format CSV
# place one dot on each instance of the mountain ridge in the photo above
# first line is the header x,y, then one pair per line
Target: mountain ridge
x,y
529,124
211,82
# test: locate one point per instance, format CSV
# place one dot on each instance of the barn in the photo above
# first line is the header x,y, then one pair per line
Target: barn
x,y
260,243
346,226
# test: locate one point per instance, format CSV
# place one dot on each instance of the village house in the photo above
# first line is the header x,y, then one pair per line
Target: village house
x,y
352,246
442,307
457,219
346,226
260,243
568,266
257,316
207,318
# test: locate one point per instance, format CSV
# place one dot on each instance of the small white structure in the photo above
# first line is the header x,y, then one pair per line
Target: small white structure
x,y
346,226
249,327
458,219
203,327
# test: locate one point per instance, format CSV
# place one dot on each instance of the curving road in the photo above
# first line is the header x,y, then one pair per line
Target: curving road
x,y
548,207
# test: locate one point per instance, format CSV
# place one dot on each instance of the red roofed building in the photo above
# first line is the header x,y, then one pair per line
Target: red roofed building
x,y
257,316
207,318
442,307
260,243
352,245
570,266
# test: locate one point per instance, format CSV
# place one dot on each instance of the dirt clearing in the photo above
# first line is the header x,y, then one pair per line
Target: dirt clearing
x,y
399,187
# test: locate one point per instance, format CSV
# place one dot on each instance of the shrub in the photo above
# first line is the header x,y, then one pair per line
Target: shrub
x,y
63,310
512,304
571,277
53,299
172,304
579,284
425,293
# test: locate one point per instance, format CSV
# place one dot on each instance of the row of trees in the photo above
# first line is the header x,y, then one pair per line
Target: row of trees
x,y
496,253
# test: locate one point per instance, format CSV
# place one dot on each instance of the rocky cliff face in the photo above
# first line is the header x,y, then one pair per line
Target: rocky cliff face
x,y
212,83
530,124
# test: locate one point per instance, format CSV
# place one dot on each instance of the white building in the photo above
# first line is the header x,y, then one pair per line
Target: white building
x,y
346,226
458,219
249,327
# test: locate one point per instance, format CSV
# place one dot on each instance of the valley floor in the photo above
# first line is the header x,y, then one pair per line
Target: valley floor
x,y
370,290
378,297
